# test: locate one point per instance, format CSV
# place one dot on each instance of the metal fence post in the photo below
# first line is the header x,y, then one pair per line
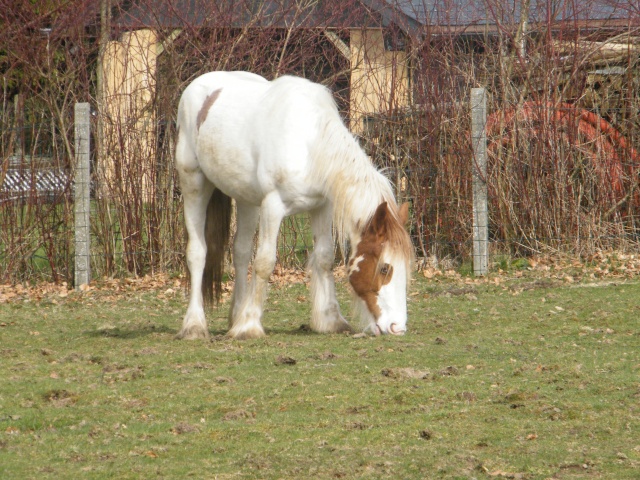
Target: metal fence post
x,y
81,193
479,168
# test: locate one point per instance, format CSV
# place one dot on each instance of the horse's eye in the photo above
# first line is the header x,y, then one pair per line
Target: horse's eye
x,y
384,270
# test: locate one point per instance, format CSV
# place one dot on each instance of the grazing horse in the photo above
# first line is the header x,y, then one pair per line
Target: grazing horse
x,y
279,148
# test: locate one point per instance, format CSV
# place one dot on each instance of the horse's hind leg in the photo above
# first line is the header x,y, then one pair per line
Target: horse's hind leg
x,y
325,315
247,314
247,222
196,192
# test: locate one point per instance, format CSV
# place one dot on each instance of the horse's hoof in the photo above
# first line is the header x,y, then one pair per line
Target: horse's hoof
x,y
193,333
337,325
343,327
247,334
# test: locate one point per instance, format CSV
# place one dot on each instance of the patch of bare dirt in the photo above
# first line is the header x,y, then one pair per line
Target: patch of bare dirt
x,y
405,373
240,414
60,398
184,427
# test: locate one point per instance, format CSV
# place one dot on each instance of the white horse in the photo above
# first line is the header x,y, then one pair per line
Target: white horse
x,y
279,148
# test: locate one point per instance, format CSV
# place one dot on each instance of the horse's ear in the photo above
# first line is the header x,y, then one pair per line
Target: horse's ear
x,y
403,214
378,223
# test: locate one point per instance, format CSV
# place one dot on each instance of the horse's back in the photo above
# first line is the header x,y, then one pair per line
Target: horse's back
x,y
251,136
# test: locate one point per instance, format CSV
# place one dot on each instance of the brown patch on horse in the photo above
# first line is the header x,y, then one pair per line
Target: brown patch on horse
x,y
367,273
206,105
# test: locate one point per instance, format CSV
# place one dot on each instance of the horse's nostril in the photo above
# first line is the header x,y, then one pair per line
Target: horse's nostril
x,y
395,330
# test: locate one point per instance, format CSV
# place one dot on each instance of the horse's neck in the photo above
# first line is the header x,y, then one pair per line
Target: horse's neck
x,y
353,185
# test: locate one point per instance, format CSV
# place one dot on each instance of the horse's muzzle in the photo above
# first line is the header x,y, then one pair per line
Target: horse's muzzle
x,y
393,330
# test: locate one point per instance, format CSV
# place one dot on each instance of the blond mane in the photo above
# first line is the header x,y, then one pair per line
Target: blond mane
x,y
351,181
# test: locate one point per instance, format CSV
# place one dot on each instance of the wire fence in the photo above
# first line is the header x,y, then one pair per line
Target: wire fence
x,y
551,185
562,124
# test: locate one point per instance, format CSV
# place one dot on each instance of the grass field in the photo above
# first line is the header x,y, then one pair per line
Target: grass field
x,y
524,378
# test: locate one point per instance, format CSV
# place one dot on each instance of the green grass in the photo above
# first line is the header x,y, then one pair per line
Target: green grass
x,y
526,379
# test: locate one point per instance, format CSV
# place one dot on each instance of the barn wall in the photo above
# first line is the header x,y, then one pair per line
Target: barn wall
x,y
379,78
129,119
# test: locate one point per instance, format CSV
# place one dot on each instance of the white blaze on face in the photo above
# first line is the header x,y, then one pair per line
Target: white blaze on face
x,y
392,301
353,265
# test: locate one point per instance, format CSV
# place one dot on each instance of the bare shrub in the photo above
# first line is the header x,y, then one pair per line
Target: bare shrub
x,y
551,185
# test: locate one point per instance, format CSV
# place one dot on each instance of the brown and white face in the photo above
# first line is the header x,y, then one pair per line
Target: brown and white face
x,y
378,271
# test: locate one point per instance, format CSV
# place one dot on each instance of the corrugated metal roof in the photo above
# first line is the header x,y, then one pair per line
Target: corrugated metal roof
x,y
492,12
410,15
230,13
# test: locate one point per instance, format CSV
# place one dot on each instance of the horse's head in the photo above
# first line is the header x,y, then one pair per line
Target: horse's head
x,y
379,270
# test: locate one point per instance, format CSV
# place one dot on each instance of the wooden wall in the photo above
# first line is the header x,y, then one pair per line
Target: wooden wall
x,y
380,79
380,82
129,132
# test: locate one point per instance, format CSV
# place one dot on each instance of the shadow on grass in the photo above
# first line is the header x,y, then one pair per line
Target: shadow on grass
x,y
131,332
220,335
216,333
304,330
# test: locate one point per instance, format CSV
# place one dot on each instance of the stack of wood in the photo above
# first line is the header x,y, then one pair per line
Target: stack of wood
x,y
611,68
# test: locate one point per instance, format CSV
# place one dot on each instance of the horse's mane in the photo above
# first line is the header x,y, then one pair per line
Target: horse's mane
x,y
349,178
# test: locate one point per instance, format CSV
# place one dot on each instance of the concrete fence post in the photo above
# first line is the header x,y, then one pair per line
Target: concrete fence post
x,y
81,196
479,168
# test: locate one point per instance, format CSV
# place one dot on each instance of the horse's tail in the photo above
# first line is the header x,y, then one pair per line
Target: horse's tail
x,y
217,229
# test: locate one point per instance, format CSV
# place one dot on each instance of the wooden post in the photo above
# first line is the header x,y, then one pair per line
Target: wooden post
x,y
81,193
479,168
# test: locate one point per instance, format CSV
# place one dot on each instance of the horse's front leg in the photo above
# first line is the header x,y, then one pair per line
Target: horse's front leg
x,y
196,192
246,320
325,315
246,224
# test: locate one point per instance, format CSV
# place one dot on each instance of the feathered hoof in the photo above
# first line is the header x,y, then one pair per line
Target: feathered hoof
x,y
194,332
336,325
246,333
343,327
